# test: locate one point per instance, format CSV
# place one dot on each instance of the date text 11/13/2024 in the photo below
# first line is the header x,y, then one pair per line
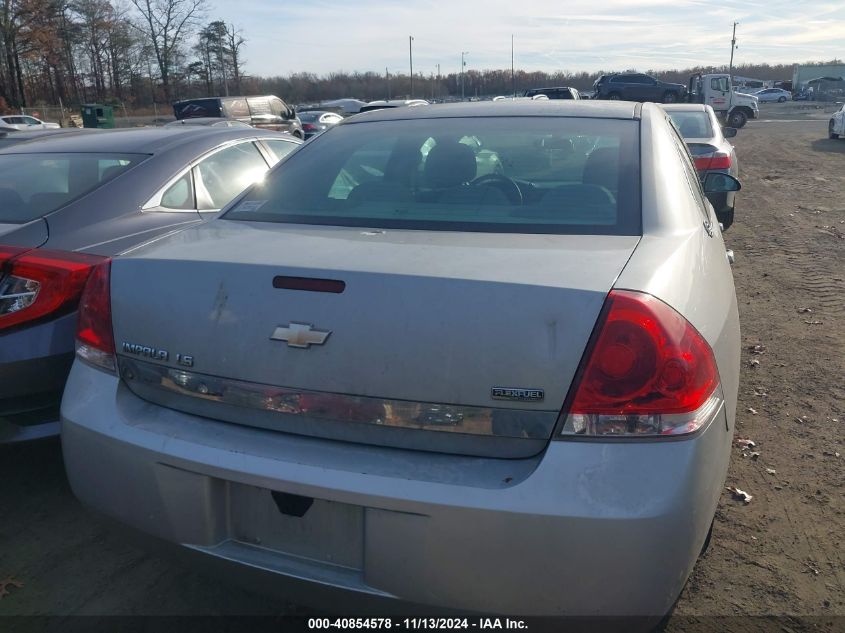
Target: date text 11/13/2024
x,y
416,624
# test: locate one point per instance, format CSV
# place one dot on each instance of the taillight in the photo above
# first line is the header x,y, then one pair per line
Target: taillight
x,y
309,126
647,372
38,283
716,160
94,335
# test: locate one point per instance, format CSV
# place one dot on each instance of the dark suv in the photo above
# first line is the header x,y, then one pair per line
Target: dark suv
x,y
561,92
637,87
267,112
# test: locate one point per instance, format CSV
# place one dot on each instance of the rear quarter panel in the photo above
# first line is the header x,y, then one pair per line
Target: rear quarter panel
x,y
677,261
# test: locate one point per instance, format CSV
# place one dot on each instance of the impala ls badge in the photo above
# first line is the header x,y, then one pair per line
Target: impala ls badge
x,y
299,335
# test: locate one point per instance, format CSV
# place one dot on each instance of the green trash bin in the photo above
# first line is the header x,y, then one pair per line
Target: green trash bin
x,y
97,115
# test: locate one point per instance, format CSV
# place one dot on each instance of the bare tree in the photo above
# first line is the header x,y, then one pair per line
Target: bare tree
x,y
235,41
166,24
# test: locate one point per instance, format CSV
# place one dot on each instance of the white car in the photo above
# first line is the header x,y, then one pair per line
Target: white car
x,y
23,122
773,94
836,127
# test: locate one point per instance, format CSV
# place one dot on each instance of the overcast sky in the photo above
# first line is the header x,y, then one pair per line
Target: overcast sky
x,y
321,36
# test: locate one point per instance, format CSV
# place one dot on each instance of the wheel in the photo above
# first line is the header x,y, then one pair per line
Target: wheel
x,y
737,119
781,99
726,218
830,132
504,184
614,96
670,97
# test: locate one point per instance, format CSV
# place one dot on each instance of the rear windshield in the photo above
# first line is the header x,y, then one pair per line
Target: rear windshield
x,y
692,124
33,185
501,174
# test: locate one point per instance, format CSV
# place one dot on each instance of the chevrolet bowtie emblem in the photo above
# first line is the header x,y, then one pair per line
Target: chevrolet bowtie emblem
x,y
299,335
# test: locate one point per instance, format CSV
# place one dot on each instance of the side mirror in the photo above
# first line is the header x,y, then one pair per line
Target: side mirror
x,y
729,132
720,183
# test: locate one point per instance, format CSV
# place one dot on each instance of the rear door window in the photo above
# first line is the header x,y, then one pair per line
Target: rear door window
x,y
278,148
692,178
226,173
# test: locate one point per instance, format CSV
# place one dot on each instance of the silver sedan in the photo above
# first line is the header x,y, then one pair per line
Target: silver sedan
x,y
382,375
773,95
711,151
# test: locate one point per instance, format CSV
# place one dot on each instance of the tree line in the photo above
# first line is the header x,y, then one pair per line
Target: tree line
x,y
158,51
78,51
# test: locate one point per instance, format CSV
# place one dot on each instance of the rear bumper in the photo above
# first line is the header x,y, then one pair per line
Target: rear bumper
x,y
609,529
34,364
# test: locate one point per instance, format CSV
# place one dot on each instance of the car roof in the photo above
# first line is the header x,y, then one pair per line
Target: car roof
x,y
226,98
562,108
398,102
684,107
142,140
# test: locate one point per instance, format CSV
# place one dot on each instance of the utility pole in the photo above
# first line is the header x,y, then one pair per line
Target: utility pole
x,y
438,81
387,77
733,46
411,57
513,76
463,68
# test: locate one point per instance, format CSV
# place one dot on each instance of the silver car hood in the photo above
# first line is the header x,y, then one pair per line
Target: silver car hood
x,y
431,317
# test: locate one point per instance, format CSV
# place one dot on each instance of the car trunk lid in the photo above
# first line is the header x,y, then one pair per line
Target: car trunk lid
x,y
467,326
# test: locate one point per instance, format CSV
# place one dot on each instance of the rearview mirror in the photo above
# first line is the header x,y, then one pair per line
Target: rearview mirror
x,y
728,132
720,183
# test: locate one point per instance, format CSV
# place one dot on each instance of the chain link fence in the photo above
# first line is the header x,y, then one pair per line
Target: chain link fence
x,y
156,115
48,113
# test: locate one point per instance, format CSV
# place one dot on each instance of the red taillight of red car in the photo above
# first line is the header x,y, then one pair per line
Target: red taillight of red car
x,y
716,160
647,371
94,335
38,283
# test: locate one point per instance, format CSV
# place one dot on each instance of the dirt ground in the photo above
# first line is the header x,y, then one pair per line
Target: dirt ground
x,y
782,554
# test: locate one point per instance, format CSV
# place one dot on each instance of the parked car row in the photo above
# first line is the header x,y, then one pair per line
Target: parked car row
x,y
458,336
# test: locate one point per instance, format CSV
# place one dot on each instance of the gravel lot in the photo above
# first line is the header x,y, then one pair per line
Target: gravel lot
x,y
781,554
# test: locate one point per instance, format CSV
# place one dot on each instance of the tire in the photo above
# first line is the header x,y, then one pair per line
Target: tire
x,y
781,99
707,539
830,132
726,218
614,96
670,97
737,119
